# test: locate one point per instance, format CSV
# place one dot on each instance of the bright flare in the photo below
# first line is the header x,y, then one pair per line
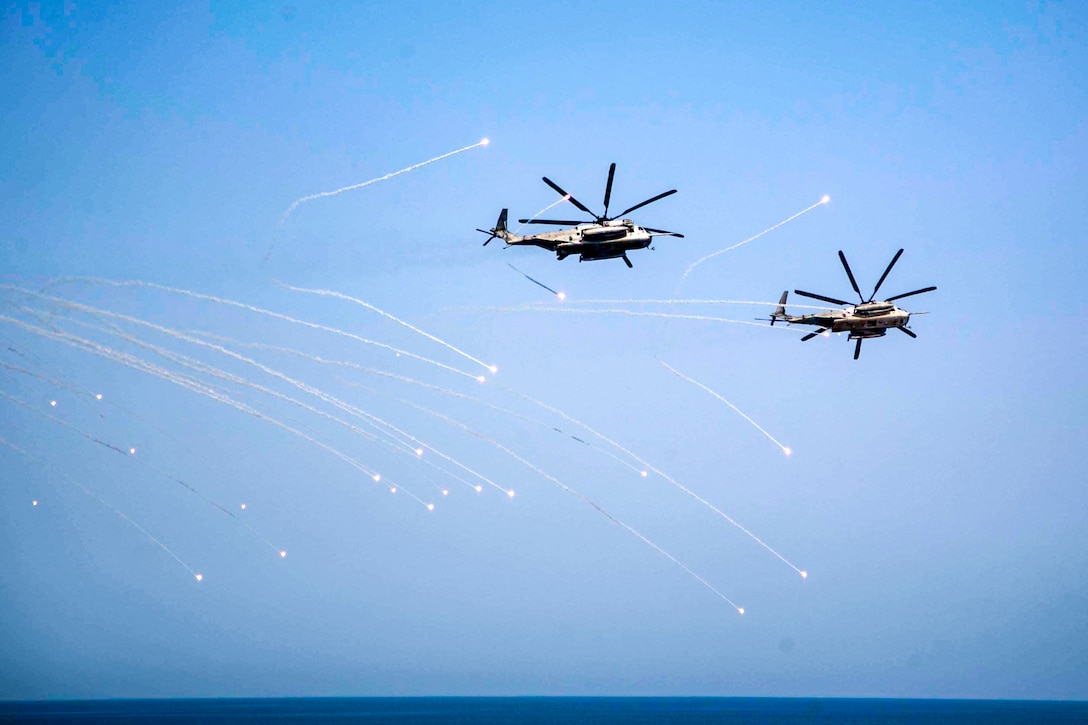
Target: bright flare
x,y
419,451
493,369
445,492
98,396
377,477
740,610
430,507
393,490
53,403
34,502
562,296
825,199
485,141
283,554
804,575
132,451
200,577
480,378
479,488
243,507
787,451
645,474
510,494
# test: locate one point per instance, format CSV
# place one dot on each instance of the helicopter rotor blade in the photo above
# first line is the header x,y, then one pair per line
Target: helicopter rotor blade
x,y
842,258
664,233
811,335
560,222
883,276
903,329
857,348
608,188
648,201
832,300
908,294
570,198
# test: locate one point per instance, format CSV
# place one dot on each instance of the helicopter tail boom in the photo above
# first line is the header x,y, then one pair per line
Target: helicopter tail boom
x,y
780,311
500,230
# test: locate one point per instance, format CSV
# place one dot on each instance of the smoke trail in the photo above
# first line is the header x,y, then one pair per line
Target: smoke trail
x,y
672,302
196,575
295,204
256,310
210,370
187,383
739,412
128,454
629,313
574,493
201,367
47,380
412,381
383,313
97,396
560,295
554,204
667,477
821,202
352,410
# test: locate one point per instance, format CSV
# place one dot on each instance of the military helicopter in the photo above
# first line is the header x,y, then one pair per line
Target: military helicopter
x,y
865,320
607,237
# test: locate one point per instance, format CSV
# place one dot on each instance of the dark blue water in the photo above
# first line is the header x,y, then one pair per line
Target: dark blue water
x,y
546,710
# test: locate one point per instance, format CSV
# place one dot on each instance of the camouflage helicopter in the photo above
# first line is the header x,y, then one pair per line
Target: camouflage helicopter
x,y
865,320
607,237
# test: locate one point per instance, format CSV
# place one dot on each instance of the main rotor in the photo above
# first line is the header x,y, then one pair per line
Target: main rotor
x,y
854,284
600,218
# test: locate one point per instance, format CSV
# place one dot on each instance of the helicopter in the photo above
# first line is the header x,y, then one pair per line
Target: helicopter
x,y
862,321
606,237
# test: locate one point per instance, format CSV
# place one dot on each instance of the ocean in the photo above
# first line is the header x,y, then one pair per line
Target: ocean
x,y
545,710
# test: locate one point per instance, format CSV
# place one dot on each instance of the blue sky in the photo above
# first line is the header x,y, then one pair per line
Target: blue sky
x,y
935,492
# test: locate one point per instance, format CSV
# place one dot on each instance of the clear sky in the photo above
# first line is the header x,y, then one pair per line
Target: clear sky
x,y
935,492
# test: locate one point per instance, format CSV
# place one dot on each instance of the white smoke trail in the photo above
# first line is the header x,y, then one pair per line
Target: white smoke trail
x,y
181,359
256,310
462,396
127,455
91,394
574,493
650,467
768,230
397,446
672,302
187,383
295,204
196,575
412,381
630,313
383,313
210,370
554,204
717,395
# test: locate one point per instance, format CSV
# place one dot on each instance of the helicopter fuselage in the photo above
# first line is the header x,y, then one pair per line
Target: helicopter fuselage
x,y
871,319
610,240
